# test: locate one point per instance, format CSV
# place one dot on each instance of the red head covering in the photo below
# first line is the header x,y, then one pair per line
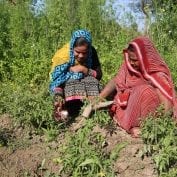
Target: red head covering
x,y
151,64
153,72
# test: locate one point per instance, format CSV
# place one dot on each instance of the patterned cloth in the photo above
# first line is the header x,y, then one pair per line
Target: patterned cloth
x,y
73,85
136,90
60,71
83,88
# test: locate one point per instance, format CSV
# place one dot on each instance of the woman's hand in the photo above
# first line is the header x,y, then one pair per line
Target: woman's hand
x,y
108,89
79,68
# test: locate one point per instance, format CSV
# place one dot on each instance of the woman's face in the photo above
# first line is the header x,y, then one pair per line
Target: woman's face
x,y
81,53
134,62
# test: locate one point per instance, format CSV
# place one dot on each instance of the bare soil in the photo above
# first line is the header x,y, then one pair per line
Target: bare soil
x,y
24,153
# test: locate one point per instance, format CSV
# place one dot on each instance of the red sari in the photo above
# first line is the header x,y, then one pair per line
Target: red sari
x,y
137,91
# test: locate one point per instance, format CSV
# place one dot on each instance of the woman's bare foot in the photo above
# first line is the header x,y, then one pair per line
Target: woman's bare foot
x,y
135,132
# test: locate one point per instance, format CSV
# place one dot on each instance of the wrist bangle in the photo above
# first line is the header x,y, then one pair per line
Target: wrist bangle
x,y
58,91
92,72
89,72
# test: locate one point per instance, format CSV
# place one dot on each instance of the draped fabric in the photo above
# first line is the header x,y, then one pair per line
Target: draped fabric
x,y
81,89
64,58
137,90
151,64
60,57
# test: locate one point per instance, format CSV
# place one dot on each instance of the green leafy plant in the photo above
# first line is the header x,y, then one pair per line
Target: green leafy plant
x,y
160,135
84,154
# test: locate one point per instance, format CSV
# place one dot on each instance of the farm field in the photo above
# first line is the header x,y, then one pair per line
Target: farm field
x,y
31,142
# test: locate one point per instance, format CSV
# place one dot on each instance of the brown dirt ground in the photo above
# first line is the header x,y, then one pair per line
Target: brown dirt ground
x,y
30,155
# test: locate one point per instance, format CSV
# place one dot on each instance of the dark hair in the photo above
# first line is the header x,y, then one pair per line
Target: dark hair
x,y
81,41
131,48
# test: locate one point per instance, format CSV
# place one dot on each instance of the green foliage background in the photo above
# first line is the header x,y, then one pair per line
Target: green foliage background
x,y
28,41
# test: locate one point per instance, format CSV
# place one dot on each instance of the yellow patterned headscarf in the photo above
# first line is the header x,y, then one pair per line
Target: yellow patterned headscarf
x,y
61,56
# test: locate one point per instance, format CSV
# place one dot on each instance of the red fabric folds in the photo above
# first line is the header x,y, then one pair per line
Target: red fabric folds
x,y
141,85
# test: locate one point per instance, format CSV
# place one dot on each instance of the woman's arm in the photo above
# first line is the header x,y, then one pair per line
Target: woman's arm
x,y
79,68
108,89
163,100
98,73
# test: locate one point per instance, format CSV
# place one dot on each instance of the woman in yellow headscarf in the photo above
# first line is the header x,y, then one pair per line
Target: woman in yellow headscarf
x,y
75,74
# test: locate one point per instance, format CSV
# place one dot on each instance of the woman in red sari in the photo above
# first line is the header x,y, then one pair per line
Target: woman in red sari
x,y
142,84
